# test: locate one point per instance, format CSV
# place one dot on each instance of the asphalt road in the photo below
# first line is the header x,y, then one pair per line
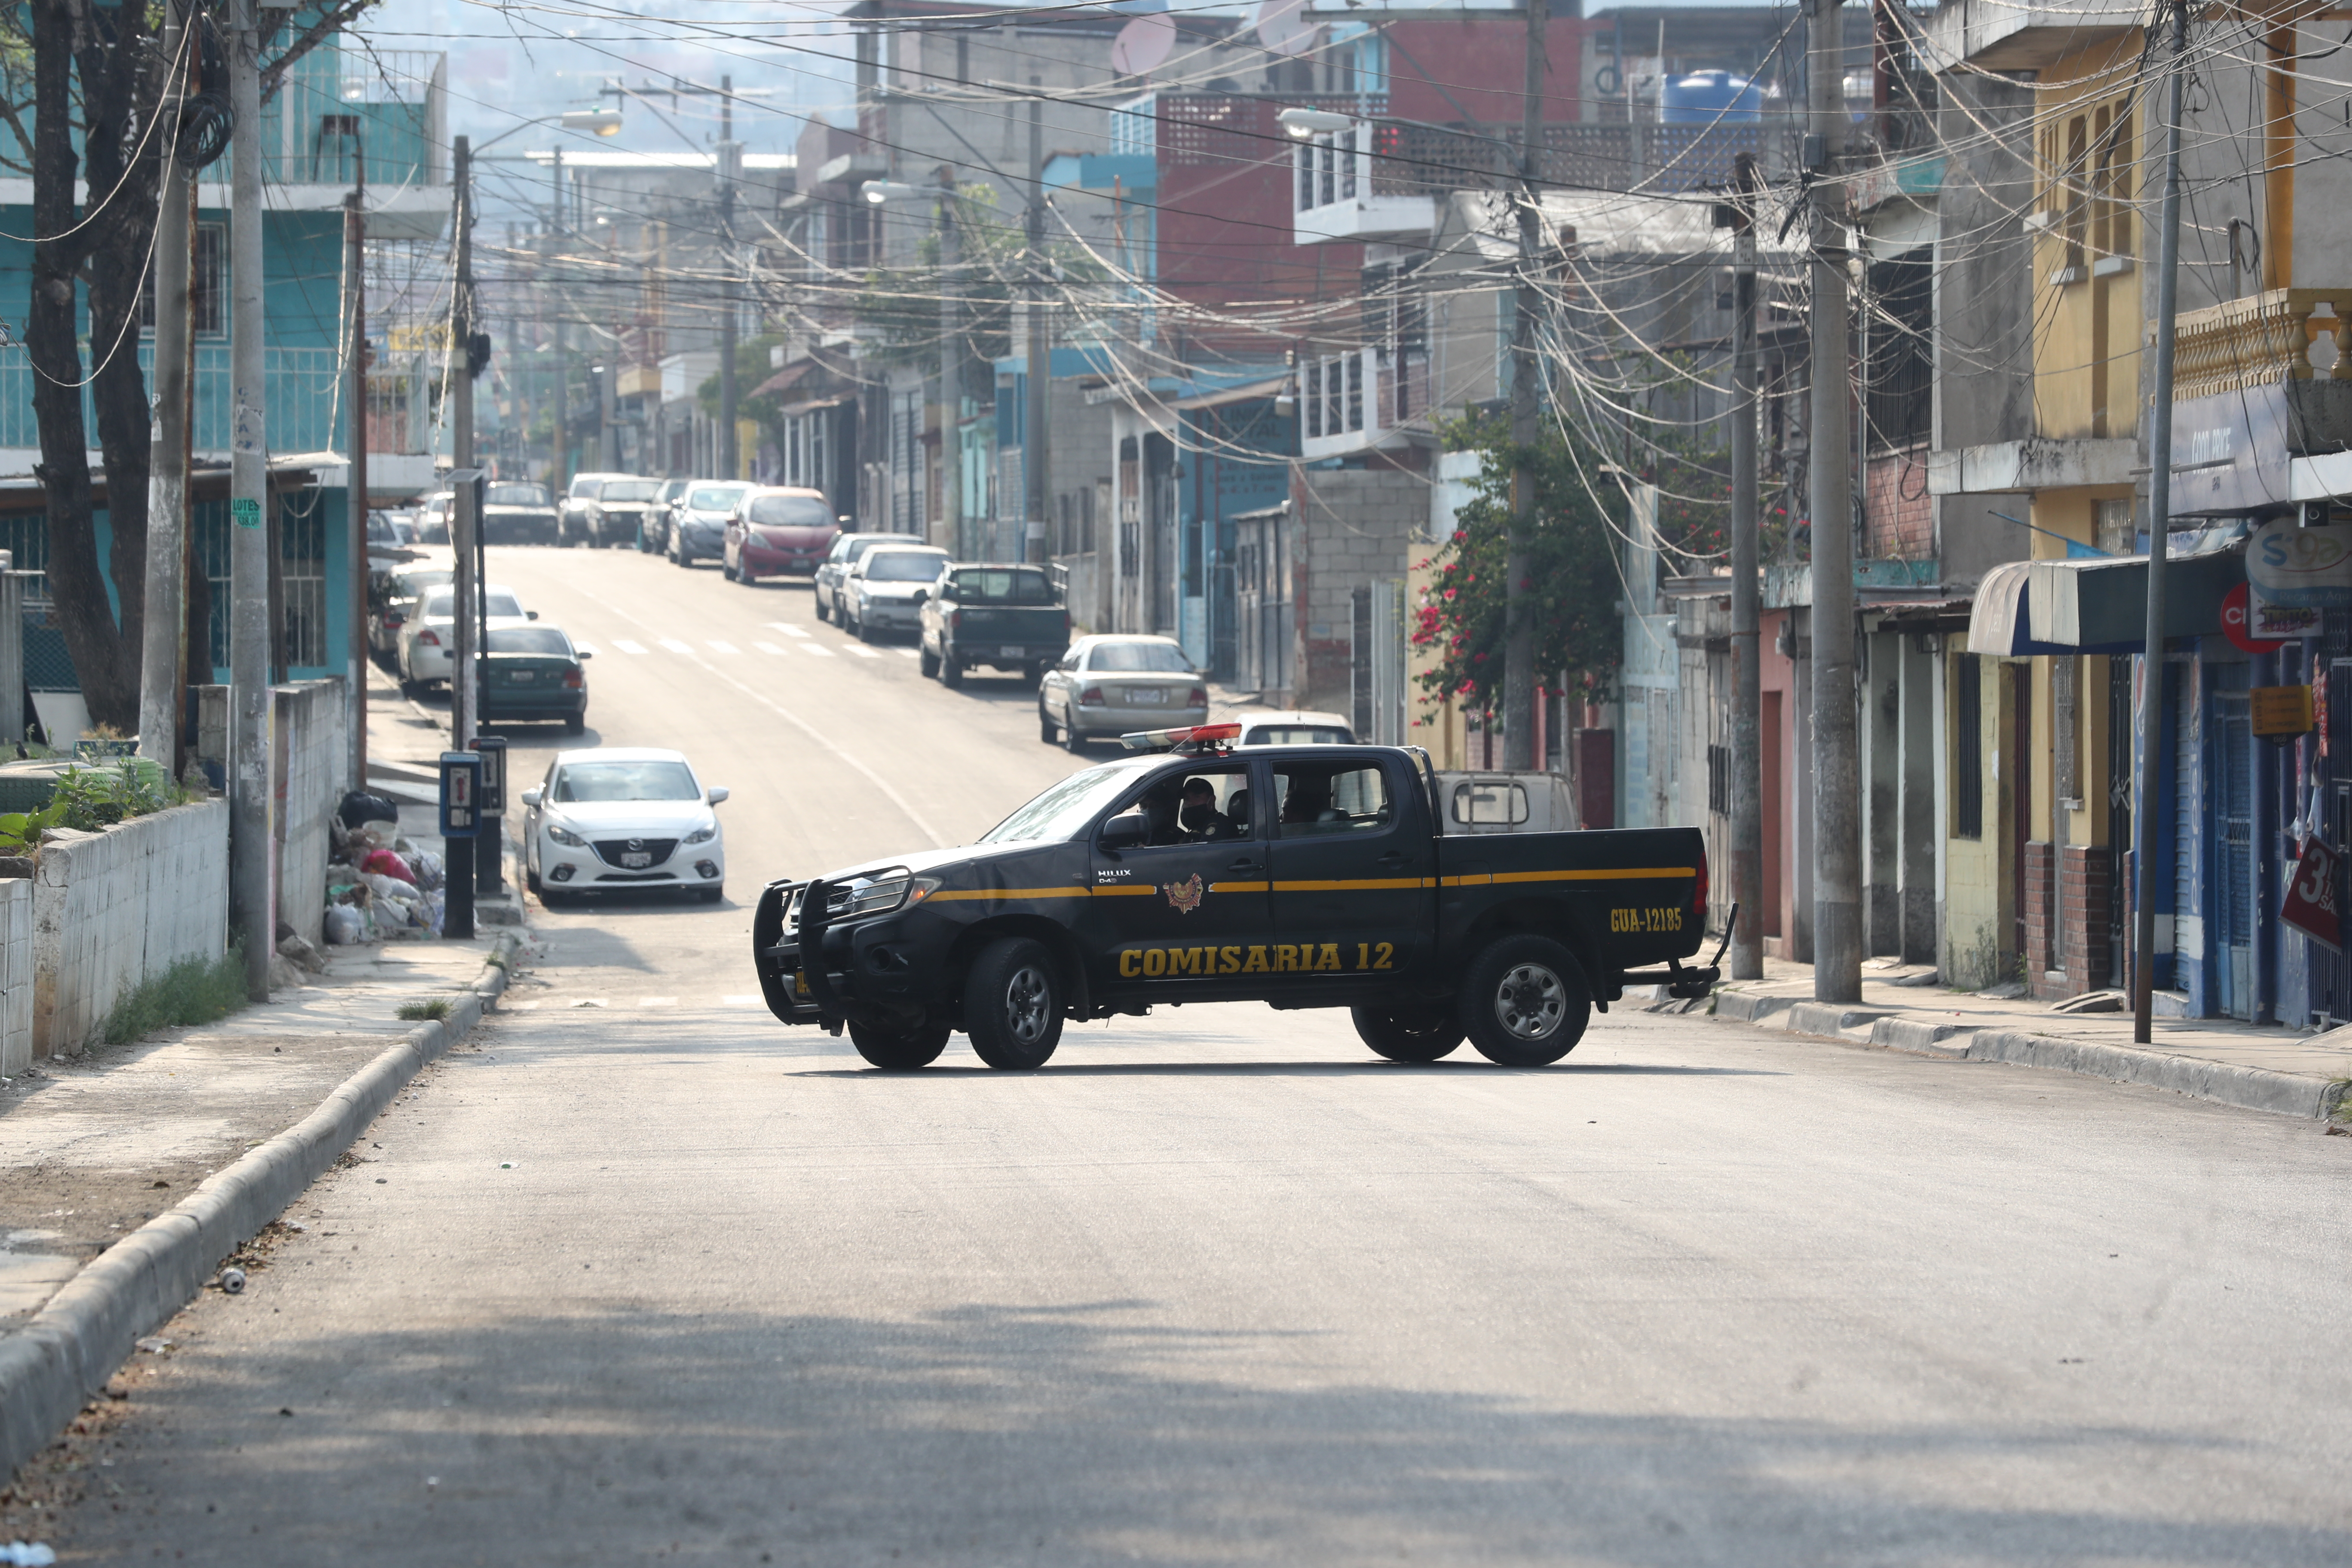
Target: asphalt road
x,y
649,1276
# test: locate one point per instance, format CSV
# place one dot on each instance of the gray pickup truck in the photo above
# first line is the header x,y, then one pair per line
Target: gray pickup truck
x,y
1006,617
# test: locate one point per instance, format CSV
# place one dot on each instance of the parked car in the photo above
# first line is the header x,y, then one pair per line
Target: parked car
x,y
393,598
1006,617
1107,686
605,511
516,513
885,589
698,522
615,818
432,517
778,528
535,672
427,643
840,559
1294,727
653,538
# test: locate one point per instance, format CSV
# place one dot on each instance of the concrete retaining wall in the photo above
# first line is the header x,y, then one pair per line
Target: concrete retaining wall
x,y
112,909
16,975
310,765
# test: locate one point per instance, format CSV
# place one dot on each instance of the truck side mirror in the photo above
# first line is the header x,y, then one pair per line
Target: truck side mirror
x,y
921,594
1126,832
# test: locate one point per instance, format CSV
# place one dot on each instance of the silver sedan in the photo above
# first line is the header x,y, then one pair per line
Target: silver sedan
x,y
1107,686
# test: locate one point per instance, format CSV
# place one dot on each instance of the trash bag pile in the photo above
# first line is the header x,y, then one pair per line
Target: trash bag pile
x,y
377,881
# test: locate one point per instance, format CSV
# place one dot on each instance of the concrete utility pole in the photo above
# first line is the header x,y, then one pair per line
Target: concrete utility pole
x,y
1037,457
947,528
2158,439
1837,789
355,294
464,680
730,167
161,681
559,472
1746,594
1519,633
253,905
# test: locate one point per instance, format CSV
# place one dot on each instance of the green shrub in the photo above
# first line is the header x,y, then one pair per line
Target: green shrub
x,y
89,799
434,1008
192,991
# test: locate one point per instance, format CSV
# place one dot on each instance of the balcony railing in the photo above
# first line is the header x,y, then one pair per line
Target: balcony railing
x,y
301,405
2284,334
1419,159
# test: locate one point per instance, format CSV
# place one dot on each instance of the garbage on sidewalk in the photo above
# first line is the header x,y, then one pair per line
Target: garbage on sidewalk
x,y
379,883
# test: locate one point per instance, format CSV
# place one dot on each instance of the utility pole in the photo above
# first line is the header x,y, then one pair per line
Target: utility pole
x,y
1837,814
253,910
2159,512
1747,593
729,165
457,916
559,471
355,292
161,681
1519,633
1036,458
947,527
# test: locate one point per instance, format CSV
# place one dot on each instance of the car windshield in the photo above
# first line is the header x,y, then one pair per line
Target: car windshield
x,y
600,781
431,530
792,512
903,565
630,490
858,547
1065,811
715,497
412,584
1154,657
517,495
526,639
502,603
1297,735
1002,586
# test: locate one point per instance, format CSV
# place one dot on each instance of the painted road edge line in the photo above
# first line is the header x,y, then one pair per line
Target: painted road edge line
x,y
67,1351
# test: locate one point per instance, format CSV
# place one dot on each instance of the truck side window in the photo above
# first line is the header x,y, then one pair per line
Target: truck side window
x,y
1204,805
1490,801
1332,797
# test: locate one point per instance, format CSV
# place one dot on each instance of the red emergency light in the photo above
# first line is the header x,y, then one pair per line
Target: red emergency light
x,y
1184,738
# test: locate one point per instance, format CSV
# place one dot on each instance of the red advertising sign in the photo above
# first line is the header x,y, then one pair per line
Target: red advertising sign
x,y
2235,608
2310,905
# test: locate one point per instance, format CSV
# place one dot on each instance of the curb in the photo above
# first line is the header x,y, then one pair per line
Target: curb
x,y
89,1328
2248,1088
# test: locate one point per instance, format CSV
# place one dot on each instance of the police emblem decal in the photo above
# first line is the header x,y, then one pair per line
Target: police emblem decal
x,y
1184,897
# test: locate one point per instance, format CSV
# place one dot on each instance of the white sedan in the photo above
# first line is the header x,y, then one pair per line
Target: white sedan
x,y
612,819
428,643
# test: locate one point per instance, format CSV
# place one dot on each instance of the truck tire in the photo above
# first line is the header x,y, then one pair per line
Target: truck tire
x,y
951,671
1012,1004
1524,1002
1407,1032
927,662
895,1050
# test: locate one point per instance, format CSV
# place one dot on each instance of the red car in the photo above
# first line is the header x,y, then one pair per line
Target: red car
x,y
778,529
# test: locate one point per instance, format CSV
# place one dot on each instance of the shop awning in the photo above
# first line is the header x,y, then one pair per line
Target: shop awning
x,y
2000,622
2096,603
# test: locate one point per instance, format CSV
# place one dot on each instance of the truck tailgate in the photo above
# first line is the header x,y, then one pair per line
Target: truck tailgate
x,y
1636,895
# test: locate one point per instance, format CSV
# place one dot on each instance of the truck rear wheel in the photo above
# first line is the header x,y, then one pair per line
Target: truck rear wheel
x,y
1524,1002
1012,1004
1410,1032
895,1050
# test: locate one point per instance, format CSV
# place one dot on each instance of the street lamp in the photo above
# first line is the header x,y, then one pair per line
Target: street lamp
x,y
879,192
1305,123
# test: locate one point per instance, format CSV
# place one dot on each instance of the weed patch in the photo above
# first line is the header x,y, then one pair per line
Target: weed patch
x,y
434,1009
192,991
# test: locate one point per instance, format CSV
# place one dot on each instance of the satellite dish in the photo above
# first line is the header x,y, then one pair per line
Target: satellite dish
x,y
1283,26
1144,44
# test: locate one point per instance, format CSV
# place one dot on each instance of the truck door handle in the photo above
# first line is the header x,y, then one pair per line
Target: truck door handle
x,y
1394,858
1244,864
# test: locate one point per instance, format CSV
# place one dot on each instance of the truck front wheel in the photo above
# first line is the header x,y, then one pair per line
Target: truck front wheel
x,y
1524,1002
1012,1004
899,1050
1411,1032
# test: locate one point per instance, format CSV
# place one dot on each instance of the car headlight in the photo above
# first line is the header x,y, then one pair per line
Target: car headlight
x,y
565,837
704,834
883,893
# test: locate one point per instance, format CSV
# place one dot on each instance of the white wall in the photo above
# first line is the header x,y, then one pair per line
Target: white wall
x,y
310,771
16,975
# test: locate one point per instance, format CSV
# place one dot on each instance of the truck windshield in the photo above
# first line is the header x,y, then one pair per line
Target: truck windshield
x,y
1065,810
517,495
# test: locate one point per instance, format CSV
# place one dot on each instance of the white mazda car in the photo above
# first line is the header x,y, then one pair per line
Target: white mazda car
x,y
617,819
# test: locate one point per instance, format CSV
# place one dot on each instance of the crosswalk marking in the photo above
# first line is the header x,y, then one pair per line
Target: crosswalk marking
x,y
817,649
767,648
626,645
904,652
676,646
743,1001
718,647
861,650
657,1000
789,629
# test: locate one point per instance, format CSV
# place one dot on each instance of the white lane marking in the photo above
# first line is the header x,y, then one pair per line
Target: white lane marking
x,y
657,1000
883,786
517,1006
767,648
626,645
717,646
817,649
861,650
743,1001
789,629
676,646
905,652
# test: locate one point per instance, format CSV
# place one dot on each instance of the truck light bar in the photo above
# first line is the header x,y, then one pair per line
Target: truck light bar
x,y
1184,738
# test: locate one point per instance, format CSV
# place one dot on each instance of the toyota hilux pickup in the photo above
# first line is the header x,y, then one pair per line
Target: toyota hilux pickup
x,y
1307,875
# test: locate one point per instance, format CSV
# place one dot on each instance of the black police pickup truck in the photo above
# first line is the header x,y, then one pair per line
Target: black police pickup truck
x,y
1297,875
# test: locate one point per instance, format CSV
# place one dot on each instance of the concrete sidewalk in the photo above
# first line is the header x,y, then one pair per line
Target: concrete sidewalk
x,y
2262,1068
